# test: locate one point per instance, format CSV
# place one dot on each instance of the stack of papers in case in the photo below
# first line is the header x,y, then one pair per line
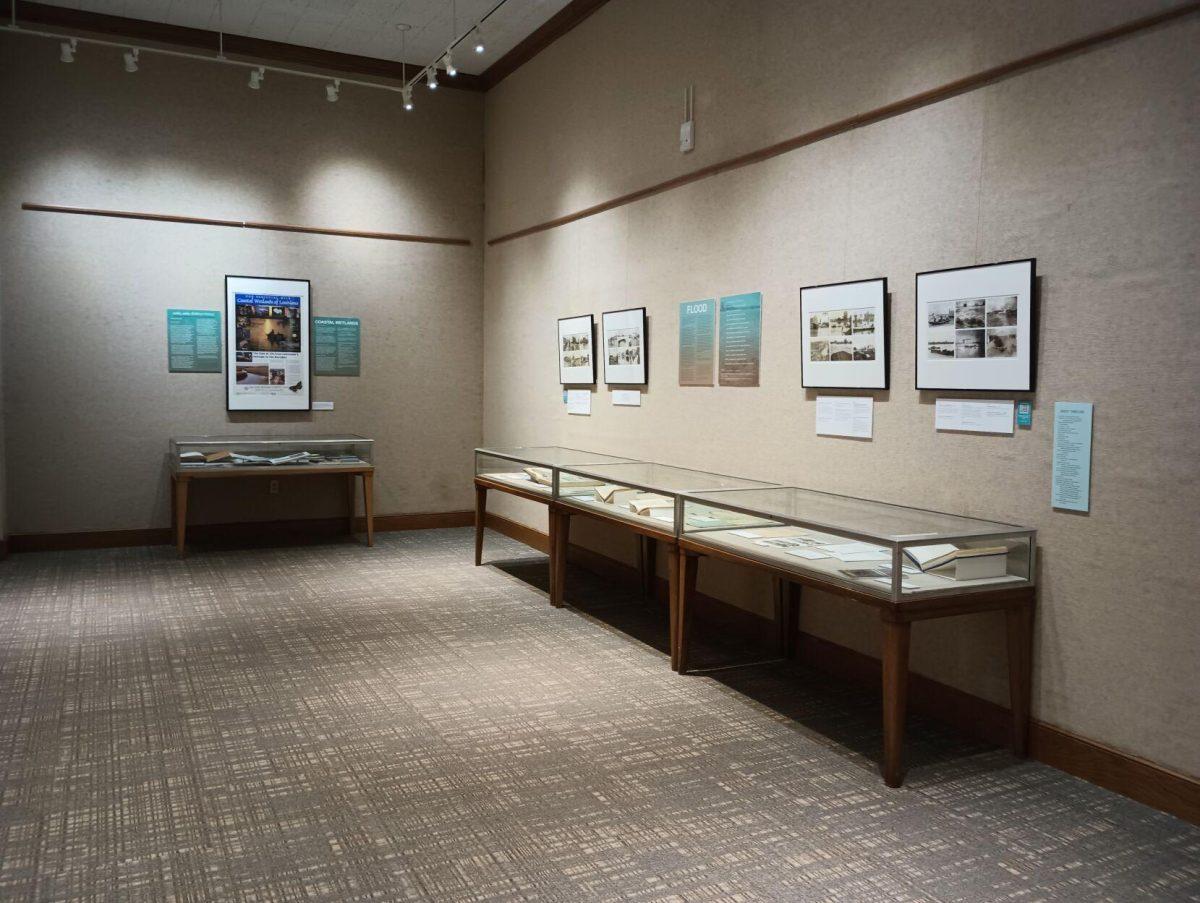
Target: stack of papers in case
x,y
651,505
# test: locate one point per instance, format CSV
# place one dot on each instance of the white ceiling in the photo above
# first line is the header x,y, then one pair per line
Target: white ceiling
x,y
363,27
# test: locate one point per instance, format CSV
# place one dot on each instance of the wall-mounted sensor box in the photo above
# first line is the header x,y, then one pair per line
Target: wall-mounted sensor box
x,y
687,136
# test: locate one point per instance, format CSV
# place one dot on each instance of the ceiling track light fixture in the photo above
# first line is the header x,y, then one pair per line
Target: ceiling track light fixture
x,y
406,96
431,77
332,89
477,38
131,59
448,65
66,50
256,77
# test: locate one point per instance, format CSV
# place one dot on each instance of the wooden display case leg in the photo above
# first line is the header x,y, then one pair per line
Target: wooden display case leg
x,y
649,560
673,604
791,637
181,501
369,505
561,542
480,517
552,547
687,597
1020,673
350,495
896,636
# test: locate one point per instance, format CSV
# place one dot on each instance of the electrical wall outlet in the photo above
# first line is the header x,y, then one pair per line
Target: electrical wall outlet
x,y
273,488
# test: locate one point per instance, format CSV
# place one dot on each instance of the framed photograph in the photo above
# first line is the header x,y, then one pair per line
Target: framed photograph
x,y
624,347
576,354
845,335
268,347
975,327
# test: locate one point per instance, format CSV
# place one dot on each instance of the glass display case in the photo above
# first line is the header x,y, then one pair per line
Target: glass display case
x,y
201,453
648,494
531,468
869,547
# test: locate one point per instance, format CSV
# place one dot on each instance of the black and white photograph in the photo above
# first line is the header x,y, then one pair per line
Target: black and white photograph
x,y
968,343
968,314
576,351
1002,342
269,322
624,348
845,335
974,327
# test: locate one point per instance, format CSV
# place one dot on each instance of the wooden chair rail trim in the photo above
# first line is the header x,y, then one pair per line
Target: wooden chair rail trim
x,y
1124,773
887,111
243,224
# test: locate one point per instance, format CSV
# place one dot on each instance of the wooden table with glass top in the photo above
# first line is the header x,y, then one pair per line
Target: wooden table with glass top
x,y
526,472
908,563
641,497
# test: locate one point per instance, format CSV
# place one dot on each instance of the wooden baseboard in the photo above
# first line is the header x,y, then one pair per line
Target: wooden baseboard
x,y
234,532
1129,775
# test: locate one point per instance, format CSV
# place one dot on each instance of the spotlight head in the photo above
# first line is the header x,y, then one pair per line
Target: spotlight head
x,y
331,90
131,60
479,48
448,65
66,50
256,77
431,78
406,96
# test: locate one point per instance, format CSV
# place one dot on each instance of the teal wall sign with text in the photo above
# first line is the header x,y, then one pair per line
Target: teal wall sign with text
x,y
1024,413
1072,466
740,340
193,341
337,345
697,330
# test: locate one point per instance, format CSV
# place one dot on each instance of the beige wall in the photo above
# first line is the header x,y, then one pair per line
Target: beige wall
x,y
89,404
1087,164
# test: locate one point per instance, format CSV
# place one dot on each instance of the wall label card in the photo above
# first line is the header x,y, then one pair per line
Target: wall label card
x,y
579,401
1024,413
629,397
845,415
193,341
740,340
843,338
322,406
697,332
270,335
337,344
1072,464
969,416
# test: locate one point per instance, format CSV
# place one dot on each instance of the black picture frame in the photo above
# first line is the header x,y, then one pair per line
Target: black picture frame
x,y
591,330
1029,286
884,303
231,349
645,380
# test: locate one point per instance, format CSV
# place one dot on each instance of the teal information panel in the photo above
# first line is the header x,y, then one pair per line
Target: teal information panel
x,y
194,341
697,329
741,339
336,345
1072,467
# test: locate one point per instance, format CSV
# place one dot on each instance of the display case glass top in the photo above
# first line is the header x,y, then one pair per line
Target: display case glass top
x,y
858,543
195,453
530,469
642,492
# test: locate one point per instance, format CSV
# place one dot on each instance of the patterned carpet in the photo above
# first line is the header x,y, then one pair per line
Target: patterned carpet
x,y
330,722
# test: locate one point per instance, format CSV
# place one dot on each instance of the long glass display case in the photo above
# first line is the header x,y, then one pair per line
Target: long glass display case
x,y
532,468
203,453
879,549
648,494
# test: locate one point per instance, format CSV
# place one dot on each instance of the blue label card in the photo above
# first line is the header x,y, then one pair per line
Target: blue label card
x,y
697,330
1024,413
1072,467
740,340
337,343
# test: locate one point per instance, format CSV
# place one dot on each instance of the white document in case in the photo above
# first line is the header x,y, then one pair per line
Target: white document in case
x,y
579,401
966,415
630,397
844,415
